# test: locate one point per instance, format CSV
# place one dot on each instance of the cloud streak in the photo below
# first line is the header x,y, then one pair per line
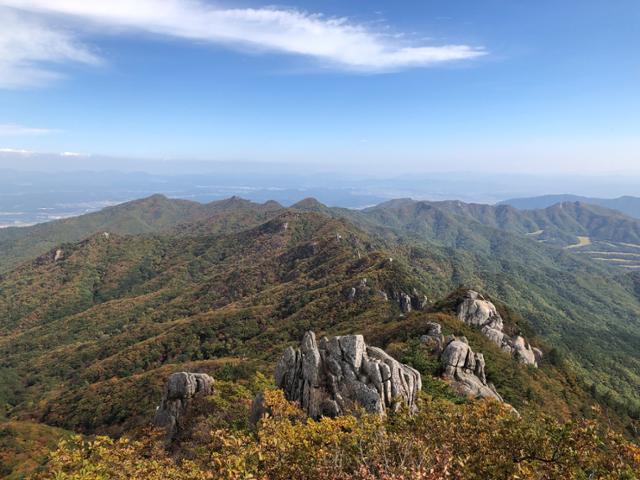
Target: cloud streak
x,y
13,130
29,47
337,42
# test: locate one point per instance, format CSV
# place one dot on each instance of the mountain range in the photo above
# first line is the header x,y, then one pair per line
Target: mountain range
x,y
97,310
626,204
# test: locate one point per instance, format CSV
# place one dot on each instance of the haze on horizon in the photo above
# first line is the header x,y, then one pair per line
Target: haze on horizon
x,y
504,87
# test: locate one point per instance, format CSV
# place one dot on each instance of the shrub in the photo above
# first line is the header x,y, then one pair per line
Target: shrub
x,y
478,440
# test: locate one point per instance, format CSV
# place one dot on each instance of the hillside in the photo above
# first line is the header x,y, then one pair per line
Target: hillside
x,y
151,214
24,447
607,236
89,330
627,204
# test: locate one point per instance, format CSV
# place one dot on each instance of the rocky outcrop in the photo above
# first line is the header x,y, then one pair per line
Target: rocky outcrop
x,y
332,376
408,303
474,310
405,302
464,370
433,337
179,391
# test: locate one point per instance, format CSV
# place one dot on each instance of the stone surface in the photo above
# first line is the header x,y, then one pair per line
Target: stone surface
x,y
464,370
179,391
333,376
476,311
405,302
433,337
523,352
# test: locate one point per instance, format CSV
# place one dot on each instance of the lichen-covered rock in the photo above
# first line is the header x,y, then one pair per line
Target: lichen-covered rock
x,y
464,369
334,375
476,311
181,388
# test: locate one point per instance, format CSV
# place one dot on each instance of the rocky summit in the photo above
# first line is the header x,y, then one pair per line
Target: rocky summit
x,y
335,375
476,311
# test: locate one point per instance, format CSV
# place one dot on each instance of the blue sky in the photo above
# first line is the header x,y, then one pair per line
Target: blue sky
x,y
495,85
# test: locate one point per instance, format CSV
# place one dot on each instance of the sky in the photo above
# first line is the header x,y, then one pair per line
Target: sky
x,y
418,85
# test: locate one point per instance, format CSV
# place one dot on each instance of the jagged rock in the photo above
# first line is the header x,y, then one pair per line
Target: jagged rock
x,y
330,377
494,334
465,371
433,337
384,295
179,391
423,302
434,328
59,255
523,351
408,303
476,311
419,302
405,302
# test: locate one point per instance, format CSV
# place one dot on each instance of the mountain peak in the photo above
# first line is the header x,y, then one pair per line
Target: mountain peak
x,y
309,203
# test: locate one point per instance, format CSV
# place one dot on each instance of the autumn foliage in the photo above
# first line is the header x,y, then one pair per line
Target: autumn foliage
x,y
478,440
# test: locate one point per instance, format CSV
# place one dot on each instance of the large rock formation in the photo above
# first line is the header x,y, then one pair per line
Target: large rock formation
x,y
464,369
179,391
331,377
476,311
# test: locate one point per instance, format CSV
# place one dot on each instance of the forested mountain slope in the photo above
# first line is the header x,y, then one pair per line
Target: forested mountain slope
x,y
627,204
90,329
119,305
606,236
153,214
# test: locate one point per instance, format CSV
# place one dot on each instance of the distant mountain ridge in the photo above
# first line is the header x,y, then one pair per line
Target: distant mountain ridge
x,y
148,215
627,204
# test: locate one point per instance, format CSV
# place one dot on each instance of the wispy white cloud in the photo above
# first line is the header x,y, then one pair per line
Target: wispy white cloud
x,y
335,41
74,154
15,151
29,48
13,130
